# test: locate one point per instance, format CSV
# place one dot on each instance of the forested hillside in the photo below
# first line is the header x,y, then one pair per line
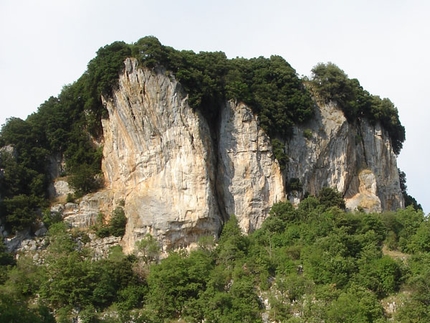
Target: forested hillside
x,y
316,263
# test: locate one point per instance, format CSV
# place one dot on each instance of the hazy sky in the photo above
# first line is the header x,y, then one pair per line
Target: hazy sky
x,y
47,44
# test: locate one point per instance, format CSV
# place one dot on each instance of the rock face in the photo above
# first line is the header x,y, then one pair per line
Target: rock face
x,y
180,176
159,156
179,179
85,213
357,159
248,175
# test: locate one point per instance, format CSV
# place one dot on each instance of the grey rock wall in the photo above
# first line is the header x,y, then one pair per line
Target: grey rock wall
x,y
355,159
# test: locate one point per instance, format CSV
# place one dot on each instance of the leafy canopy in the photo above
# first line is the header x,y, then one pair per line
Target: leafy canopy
x,y
331,84
314,263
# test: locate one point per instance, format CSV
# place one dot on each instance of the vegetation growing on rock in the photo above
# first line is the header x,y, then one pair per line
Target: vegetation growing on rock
x,y
332,84
70,125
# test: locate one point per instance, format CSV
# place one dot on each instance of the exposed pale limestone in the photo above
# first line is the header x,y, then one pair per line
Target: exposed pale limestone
x,y
84,214
10,150
158,155
248,174
101,246
366,197
59,188
180,178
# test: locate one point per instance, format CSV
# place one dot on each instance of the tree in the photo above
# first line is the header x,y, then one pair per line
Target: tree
x,y
381,275
417,306
149,248
150,52
84,180
6,262
330,197
420,241
118,222
409,220
409,200
13,310
20,211
355,305
177,281
332,84
232,244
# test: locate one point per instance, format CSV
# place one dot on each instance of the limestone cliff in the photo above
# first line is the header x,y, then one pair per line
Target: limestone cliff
x,y
180,177
177,181
249,177
159,157
357,159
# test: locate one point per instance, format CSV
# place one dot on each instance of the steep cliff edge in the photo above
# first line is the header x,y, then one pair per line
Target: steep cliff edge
x,y
158,157
248,174
180,180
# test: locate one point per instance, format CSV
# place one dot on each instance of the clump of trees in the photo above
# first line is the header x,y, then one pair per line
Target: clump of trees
x,y
115,226
331,84
315,262
270,86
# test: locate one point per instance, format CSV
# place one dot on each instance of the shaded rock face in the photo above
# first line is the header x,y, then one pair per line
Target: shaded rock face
x,y
356,159
180,178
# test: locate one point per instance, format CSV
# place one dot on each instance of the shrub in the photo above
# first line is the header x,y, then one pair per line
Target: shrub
x,y
118,222
307,133
279,152
115,227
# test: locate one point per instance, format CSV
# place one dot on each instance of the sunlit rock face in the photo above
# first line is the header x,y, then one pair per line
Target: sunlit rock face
x,y
159,157
179,176
248,175
180,180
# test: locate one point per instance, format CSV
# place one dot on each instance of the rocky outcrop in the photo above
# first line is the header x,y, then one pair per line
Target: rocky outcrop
x,y
179,176
24,243
159,156
180,180
249,177
85,213
356,159
59,187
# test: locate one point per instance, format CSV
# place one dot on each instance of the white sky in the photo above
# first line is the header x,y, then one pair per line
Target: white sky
x,y
47,44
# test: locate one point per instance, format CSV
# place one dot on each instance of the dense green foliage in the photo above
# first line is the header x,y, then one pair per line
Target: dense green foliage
x,y
409,200
332,84
313,263
270,86
115,227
